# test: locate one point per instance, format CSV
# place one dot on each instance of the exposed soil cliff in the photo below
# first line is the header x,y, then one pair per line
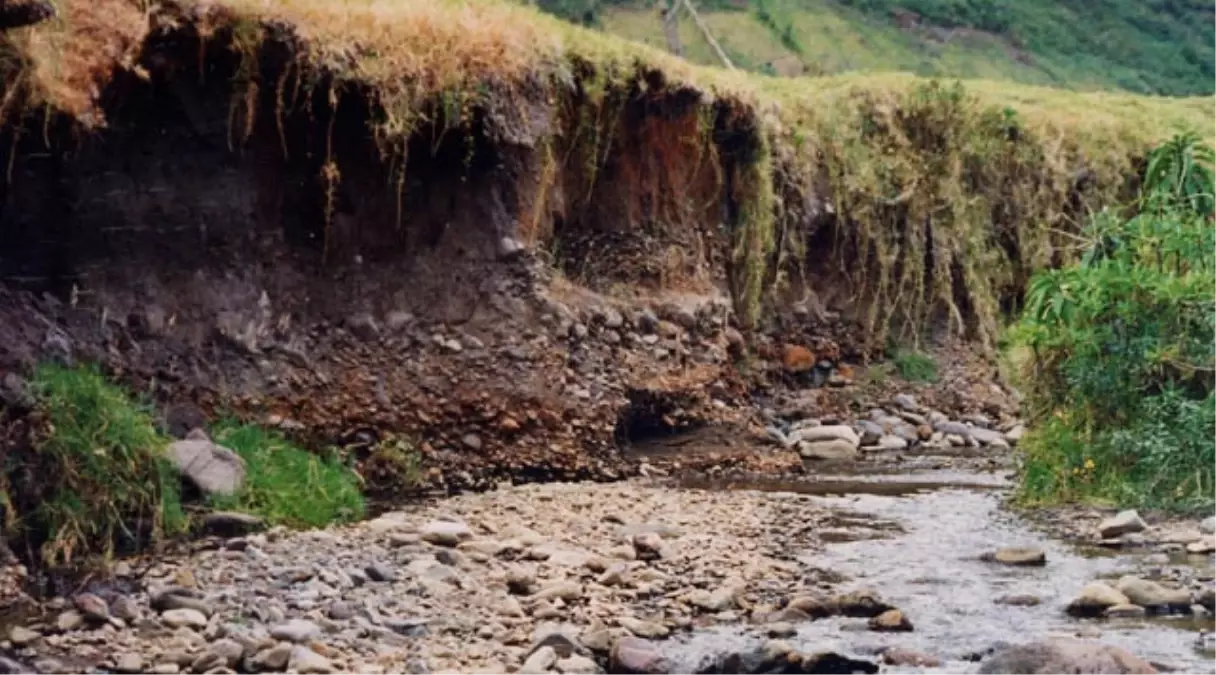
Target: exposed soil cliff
x,y
522,266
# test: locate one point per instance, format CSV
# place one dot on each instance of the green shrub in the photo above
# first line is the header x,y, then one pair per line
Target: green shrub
x,y
914,366
98,480
287,485
1120,377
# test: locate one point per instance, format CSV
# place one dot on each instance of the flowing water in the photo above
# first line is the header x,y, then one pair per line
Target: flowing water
x,y
917,541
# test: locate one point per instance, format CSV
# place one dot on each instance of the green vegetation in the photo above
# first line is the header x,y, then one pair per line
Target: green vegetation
x,y
92,477
914,366
287,485
98,481
1119,349
1159,46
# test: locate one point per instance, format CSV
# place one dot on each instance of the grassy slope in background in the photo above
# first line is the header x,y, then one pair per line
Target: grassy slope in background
x,y
1159,46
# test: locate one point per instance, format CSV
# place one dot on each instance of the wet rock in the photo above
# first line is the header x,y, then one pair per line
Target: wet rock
x,y
781,629
1022,556
1125,522
1064,655
1019,600
828,450
831,662
813,607
1206,545
187,618
897,656
445,532
214,469
1095,598
891,621
1152,594
1124,611
863,603
835,432
638,657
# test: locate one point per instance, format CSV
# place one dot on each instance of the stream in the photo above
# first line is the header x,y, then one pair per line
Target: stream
x,y
917,539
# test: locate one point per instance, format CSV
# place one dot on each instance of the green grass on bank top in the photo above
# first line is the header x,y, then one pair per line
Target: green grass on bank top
x,y
1154,46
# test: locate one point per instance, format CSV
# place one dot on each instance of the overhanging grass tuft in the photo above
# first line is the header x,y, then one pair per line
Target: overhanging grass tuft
x,y
914,366
102,481
287,485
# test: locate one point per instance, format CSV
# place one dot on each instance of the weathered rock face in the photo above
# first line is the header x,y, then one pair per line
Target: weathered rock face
x,y
1065,656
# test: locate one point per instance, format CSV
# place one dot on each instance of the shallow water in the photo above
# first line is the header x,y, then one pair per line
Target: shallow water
x,y
918,545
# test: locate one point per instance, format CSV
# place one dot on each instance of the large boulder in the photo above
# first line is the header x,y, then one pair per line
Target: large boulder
x,y
214,469
1152,594
1065,655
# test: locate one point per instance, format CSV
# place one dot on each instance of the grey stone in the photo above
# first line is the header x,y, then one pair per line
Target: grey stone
x,y
272,658
637,655
92,607
295,630
1152,594
1125,522
644,629
363,326
1208,525
905,402
835,449
129,663
21,636
69,621
1022,556
578,664
380,572
1095,598
445,532
215,470
176,597
540,661
189,618
305,661
1065,655
869,431
828,433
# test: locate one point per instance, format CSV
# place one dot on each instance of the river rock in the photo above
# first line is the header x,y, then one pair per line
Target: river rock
x,y
1205,545
897,656
223,653
577,665
1208,525
891,442
129,662
1124,611
272,658
92,607
1015,434
648,546
834,432
1019,600
891,621
540,661
1022,556
69,621
637,656
715,601
836,449
445,532
862,603
1125,522
305,661
1065,655
643,629
21,636
1152,594
189,618
295,630
176,597
1095,598
214,469
868,431
905,402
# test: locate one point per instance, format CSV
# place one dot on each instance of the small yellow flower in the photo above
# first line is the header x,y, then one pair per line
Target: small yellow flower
x,y
1089,464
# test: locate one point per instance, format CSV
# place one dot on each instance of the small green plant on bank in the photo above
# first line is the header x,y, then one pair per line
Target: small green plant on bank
x,y
914,366
1121,362
99,481
287,485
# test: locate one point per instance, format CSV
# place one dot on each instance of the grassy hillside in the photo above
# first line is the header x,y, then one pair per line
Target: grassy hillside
x,y
1153,46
